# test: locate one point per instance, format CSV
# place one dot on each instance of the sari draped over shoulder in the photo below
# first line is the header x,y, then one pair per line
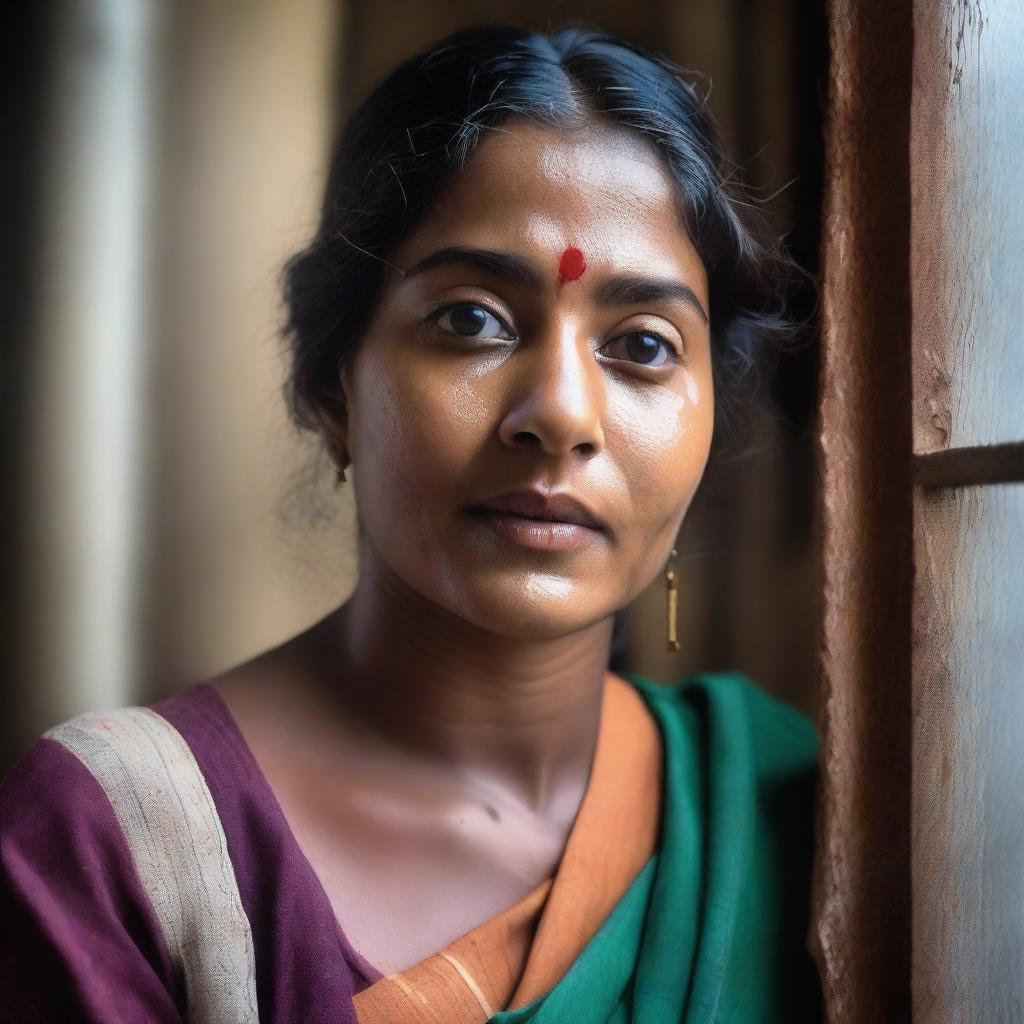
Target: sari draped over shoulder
x,y
147,872
677,899
518,955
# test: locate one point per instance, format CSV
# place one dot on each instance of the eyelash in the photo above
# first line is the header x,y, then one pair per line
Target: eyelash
x,y
432,319
673,350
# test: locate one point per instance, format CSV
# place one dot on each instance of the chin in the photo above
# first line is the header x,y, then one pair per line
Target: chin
x,y
530,612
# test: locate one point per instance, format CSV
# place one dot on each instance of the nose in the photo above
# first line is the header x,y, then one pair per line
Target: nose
x,y
558,396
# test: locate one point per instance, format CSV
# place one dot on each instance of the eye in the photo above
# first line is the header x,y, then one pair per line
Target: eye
x,y
470,320
642,347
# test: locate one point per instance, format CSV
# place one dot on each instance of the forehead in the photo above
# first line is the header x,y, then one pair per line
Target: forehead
x,y
537,189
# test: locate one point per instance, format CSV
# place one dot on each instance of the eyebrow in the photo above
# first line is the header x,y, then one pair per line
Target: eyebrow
x,y
636,289
621,290
501,264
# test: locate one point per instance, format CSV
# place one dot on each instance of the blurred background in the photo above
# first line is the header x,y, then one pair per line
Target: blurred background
x,y
163,520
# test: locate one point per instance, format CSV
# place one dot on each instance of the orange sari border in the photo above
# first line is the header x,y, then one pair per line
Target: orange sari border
x,y
520,954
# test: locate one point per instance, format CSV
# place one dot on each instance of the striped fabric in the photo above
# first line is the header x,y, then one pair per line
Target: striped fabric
x,y
167,813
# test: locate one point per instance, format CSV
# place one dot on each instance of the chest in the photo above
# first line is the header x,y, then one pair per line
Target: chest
x,y
408,864
400,899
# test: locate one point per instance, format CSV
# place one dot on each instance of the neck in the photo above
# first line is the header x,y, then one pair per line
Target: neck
x,y
517,714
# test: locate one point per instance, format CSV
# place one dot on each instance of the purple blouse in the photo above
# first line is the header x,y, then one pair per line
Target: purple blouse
x,y
80,939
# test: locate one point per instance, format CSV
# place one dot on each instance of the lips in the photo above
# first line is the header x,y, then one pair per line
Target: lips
x,y
544,507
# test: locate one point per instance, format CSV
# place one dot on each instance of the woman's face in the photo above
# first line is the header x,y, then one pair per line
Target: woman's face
x,y
503,361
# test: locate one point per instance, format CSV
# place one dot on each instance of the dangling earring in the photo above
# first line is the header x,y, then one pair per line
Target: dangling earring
x,y
673,602
339,478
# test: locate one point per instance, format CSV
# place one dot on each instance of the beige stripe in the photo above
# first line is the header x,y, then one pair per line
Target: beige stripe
x,y
470,983
414,993
175,836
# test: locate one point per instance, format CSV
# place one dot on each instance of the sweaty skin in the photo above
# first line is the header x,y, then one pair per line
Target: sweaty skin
x,y
430,740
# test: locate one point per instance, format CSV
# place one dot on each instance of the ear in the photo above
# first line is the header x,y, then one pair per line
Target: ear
x,y
333,416
336,439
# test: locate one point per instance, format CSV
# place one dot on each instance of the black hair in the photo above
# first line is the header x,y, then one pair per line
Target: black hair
x,y
421,124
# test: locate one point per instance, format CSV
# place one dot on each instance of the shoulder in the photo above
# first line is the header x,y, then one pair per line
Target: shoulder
x,y
79,937
758,757
107,824
777,738
50,792
124,757
746,774
68,775
98,785
743,740
132,770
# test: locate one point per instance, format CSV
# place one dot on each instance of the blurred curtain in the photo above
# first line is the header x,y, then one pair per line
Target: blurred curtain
x,y
167,512
83,427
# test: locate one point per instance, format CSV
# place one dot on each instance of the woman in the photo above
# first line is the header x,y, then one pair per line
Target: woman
x,y
528,301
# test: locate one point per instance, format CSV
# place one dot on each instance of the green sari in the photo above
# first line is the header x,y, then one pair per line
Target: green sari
x,y
713,928
679,903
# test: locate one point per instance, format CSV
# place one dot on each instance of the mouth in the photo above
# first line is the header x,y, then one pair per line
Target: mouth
x,y
540,521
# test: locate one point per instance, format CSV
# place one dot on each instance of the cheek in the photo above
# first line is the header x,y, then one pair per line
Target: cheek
x,y
414,424
664,437
663,444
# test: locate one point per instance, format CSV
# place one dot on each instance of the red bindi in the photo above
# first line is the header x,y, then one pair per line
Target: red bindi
x,y
571,265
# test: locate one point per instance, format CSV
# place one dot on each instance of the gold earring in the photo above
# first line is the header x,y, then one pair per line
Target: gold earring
x,y
340,470
672,594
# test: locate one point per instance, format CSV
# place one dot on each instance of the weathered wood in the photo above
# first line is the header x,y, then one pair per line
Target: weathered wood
x,y
967,266
968,835
862,885
967,256
964,467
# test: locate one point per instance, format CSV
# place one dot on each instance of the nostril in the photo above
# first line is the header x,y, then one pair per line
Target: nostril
x,y
524,437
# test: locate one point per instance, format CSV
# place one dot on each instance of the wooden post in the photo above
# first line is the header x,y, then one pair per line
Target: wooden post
x,y
861,928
